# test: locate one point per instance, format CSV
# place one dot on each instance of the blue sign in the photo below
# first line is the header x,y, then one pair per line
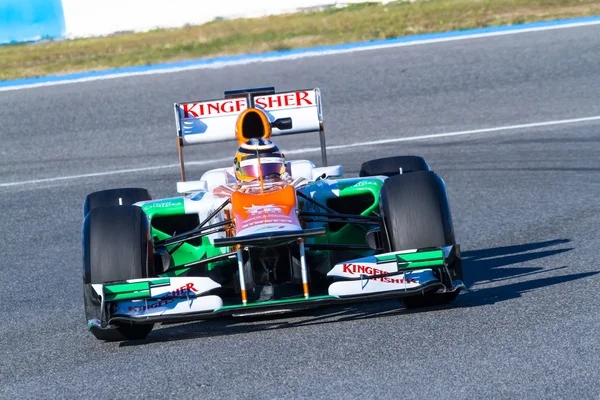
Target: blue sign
x,y
28,20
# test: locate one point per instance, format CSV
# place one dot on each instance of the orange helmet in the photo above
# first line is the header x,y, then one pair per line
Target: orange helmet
x,y
258,158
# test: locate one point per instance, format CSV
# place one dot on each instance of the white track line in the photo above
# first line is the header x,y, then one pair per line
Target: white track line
x,y
116,172
315,149
298,55
450,134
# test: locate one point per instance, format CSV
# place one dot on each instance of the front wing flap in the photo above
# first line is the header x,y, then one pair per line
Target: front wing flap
x,y
401,270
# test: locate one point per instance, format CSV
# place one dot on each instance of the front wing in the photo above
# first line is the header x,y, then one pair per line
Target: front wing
x,y
178,299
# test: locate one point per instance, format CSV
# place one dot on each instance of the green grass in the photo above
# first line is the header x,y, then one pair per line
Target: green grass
x,y
359,22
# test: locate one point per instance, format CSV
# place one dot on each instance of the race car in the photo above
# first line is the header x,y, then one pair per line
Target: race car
x,y
265,234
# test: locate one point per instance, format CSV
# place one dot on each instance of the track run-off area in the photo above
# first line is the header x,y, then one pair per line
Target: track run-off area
x,y
511,123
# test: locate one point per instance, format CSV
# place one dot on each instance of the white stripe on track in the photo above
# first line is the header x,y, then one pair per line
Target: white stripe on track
x,y
450,134
116,172
343,48
316,149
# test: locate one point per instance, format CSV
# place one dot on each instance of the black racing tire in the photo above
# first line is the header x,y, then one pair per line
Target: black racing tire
x,y
114,197
117,246
390,166
416,214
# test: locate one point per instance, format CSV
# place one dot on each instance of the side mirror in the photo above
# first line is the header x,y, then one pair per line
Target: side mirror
x,y
282,123
333,171
192,186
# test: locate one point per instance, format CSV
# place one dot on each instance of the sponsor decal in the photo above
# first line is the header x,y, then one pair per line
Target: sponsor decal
x,y
368,270
265,215
223,107
197,110
164,307
363,183
149,306
262,209
187,289
162,204
297,99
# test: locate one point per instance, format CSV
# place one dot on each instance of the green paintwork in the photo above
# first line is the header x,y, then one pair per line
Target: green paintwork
x,y
126,287
160,282
274,302
127,291
164,207
416,260
420,256
350,234
420,264
131,291
360,185
409,257
187,252
144,294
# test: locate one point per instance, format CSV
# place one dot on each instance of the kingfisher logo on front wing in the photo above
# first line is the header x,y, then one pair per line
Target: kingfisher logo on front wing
x,y
368,272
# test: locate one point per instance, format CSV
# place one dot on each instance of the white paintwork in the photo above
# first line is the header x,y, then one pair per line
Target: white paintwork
x,y
167,306
185,286
241,277
192,186
332,171
214,178
368,285
194,286
362,266
203,204
304,270
218,177
301,169
211,121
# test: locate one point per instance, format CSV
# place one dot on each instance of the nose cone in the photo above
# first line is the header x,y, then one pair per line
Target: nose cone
x,y
252,123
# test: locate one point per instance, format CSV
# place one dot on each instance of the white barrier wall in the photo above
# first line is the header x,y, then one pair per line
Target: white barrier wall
x,y
93,18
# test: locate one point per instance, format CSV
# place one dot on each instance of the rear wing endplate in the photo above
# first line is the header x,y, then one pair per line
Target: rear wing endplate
x,y
213,121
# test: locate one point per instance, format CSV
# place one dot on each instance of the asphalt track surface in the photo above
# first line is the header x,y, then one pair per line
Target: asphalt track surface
x,y
525,204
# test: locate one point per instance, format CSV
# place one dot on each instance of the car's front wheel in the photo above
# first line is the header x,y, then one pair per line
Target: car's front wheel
x,y
114,197
416,215
391,166
117,246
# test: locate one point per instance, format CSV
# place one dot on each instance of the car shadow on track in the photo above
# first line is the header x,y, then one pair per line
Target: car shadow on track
x,y
489,267
491,264
228,326
480,267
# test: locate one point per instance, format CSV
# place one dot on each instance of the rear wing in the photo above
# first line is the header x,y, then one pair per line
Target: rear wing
x,y
213,121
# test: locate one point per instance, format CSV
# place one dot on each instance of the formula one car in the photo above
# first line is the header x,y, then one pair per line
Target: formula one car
x,y
265,235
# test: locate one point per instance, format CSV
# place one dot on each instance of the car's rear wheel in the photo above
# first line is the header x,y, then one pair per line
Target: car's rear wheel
x,y
416,215
114,197
117,246
391,166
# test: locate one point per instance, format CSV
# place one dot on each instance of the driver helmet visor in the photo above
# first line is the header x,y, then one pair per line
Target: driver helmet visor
x,y
263,166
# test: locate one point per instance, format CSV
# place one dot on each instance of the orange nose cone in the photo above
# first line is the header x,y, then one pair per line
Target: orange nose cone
x,y
252,123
